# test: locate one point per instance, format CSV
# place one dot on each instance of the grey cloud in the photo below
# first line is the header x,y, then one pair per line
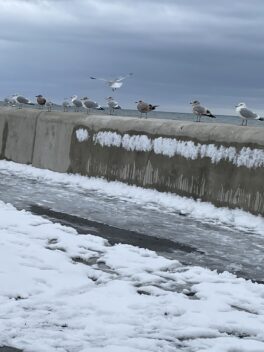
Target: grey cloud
x,y
177,49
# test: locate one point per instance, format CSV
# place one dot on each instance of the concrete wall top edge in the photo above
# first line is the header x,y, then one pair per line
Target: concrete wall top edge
x,y
202,132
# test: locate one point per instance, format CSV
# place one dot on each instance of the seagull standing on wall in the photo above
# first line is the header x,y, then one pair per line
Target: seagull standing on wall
x,y
113,105
76,103
66,105
200,111
20,100
114,83
89,104
49,105
246,114
41,101
144,108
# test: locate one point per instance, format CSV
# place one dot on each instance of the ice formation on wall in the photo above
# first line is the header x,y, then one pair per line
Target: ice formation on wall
x,y
250,158
82,135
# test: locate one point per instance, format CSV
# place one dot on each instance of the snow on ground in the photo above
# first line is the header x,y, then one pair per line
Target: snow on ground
x,y
202,211
61,291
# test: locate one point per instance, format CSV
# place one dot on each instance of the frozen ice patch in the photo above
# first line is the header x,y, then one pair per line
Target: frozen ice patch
x,y
108,139
82,135
250,158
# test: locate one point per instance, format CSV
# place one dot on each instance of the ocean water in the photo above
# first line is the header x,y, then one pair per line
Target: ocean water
x,y
181,116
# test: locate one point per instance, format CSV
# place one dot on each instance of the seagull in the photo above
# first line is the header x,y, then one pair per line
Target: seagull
x,y
112,104
41,101
20,100
114,83
8,101
66,105
246,114
76,103
89,104
200,111
144,108
49,105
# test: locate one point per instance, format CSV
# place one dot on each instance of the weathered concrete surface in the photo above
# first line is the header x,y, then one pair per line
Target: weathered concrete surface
x,y
17,130
48,140
52,143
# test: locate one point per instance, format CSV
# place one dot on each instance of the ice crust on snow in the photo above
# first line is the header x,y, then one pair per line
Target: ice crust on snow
x,y
136,301
82,135
250,158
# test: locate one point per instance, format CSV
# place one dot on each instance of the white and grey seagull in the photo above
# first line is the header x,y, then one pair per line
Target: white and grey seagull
x,y
9,101
113,105
66,105
49,105
246,114
89,104
200,110
76,103
20,100
114,83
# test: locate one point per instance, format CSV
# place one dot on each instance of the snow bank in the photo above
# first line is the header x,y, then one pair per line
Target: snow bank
x,y
123,299
250,158
202,211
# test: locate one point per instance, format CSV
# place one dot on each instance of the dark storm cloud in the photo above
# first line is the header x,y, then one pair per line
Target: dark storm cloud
x,y
178,50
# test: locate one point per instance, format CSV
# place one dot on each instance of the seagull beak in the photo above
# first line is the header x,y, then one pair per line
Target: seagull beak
x,y
191,102
136,102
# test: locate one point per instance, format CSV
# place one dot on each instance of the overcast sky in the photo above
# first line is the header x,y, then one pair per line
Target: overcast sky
x,y
178,50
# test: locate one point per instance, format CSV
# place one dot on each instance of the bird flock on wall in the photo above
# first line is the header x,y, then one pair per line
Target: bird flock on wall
x,y
87,104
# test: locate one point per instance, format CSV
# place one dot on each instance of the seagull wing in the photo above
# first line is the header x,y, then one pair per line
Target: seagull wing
x,y
248,114
100,79
200,110
124,77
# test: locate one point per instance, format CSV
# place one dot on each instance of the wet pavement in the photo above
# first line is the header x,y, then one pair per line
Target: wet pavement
x,y
118,220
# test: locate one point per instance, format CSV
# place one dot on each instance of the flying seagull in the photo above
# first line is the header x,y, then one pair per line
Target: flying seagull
x,y
89,104
144,108
76,102
112,104
200,111
41,101
114,83
246,114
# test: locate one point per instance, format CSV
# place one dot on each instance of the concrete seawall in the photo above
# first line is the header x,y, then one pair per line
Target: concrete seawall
x,y
222,164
